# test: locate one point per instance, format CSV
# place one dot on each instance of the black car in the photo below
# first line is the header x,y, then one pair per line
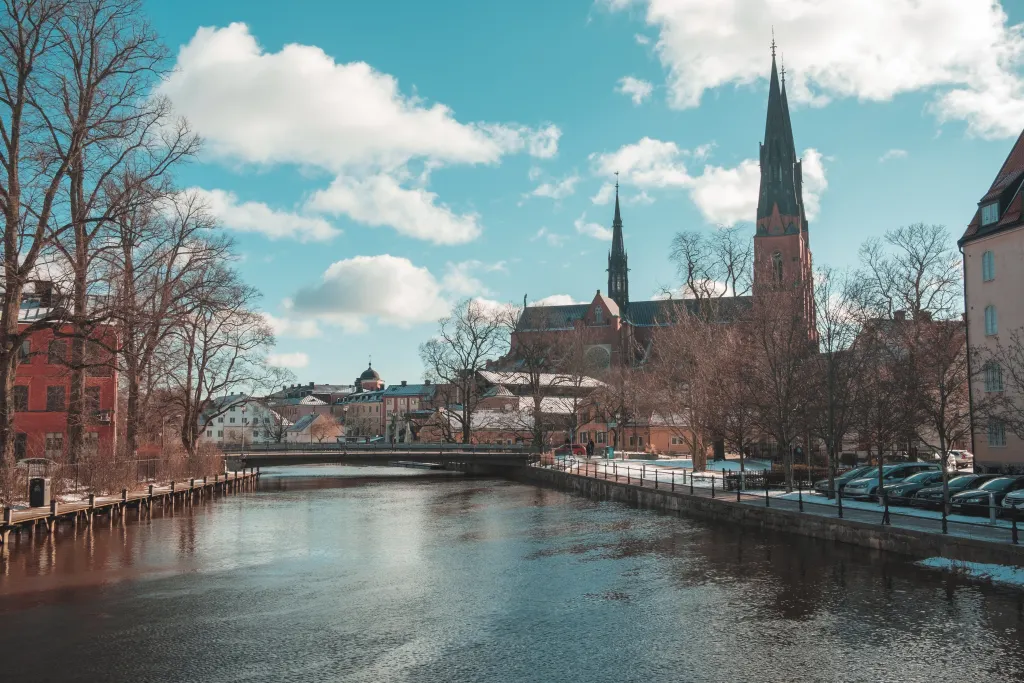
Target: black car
x,y
931,497
843,479
901,491
976,501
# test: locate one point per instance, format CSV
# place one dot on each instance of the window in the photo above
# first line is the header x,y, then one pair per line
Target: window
x,y
993,376
24,351
676,441
55,399
777,266
92,400
601,436
256,434
988,266
209,433
996,433
20,445
220,420
991,321
598,315
231,420
54,441
20,398
266,420
57,353
245,420
990,213
97,360
220,433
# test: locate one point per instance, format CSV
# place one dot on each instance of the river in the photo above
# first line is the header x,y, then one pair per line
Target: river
x,y
328,574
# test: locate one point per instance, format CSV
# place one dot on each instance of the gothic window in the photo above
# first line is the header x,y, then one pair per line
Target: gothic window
x,y
598,315
777,267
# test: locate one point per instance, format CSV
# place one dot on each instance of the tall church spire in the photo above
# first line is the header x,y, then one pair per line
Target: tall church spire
x,y
780,170
618,267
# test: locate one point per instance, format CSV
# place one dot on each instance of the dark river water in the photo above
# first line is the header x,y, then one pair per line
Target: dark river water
x,y
331,575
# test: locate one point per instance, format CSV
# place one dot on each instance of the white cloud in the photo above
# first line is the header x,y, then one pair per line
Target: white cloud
x,y
637,89
380,200
723,195
604,195
460,279
598,232
893,154
288,360
963,51
641,39
555,300
387,288
260,218
303,328
534,173
557,190
300,106
552,238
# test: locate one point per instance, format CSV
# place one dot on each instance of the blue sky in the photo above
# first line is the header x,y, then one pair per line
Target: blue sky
x,y
378,160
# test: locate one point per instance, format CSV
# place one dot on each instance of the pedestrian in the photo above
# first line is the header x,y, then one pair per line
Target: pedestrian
x,y
590,448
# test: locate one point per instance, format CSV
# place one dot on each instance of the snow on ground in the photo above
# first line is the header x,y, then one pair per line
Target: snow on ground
x,y
994,573
819,499
667,468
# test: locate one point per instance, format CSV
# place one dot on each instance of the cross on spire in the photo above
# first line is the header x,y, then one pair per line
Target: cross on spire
x,y
773,41
616,180
783,68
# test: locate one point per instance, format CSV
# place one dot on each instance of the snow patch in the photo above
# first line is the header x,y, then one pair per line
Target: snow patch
x,y
979,571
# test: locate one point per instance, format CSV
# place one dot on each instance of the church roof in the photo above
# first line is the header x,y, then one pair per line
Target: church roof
x,y
657,313
778,156
551,317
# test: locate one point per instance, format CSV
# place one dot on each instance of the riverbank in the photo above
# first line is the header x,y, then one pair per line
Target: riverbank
x,y
964,543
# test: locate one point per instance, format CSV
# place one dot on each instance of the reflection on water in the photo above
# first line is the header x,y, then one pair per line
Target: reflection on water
x,y
331,574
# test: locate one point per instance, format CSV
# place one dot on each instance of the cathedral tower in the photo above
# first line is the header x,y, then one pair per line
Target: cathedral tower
x,y
618,268
782,254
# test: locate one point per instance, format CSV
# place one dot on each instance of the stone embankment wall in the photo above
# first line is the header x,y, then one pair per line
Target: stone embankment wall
x,y
905,541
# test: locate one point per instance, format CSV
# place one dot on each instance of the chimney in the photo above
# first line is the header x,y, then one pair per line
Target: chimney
x,y
426,382
310,385
899,316
403,383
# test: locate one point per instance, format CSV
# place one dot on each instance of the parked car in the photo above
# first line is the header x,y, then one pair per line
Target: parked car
x,y
931,497
843,479
976,501
963,458
908,487
574,449
1013,501
868,485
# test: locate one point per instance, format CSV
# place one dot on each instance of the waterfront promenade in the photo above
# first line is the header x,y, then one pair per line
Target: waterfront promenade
x,y
918,534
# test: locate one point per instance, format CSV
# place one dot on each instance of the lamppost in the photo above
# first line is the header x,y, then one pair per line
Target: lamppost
x,y
243,429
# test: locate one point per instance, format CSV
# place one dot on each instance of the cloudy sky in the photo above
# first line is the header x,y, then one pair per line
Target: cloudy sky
x,y
377,161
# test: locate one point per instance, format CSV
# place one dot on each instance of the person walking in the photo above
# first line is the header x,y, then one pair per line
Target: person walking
x,y
590,448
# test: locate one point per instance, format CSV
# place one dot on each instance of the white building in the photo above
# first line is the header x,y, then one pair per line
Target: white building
x,y
238,418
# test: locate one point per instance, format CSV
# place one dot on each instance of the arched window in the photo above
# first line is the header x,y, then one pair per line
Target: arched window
x,y
777,267
598,315
988,266
993,376
991,321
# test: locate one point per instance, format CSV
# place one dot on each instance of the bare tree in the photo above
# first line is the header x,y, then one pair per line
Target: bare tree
x,y
837,368
714,265
466,340
620,400
731,400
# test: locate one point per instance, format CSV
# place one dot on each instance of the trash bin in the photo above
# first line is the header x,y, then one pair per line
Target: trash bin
x,y
610,452
39,492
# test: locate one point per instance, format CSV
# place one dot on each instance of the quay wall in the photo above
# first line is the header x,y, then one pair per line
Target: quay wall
x,y
910,542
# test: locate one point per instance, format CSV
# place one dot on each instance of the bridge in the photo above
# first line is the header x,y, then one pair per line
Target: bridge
x,y
474,458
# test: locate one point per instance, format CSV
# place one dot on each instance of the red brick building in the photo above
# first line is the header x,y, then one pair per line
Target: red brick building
x,y
42,386
622,331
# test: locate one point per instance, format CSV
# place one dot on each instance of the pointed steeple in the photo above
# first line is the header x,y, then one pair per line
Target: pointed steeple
x,y
780,169
618,268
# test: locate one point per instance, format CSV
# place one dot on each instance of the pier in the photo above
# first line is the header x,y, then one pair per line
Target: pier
x,y
186,492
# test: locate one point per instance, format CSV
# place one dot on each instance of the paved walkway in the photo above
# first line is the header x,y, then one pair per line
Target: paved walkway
x,y
957,524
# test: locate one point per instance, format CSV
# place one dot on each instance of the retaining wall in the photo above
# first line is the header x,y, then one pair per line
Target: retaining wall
x,y
893,539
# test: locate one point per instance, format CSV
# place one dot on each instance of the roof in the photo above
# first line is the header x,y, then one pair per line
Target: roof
x,y
363,397
656,313
551,317
546,379
369,374
1006,189
550,405
411,390
304,401
303,423
496,391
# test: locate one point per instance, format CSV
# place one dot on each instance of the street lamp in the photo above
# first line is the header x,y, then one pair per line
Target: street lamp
x,y
243,429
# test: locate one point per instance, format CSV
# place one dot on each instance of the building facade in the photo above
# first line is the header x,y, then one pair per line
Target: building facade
x,y
43,381
240,419
993,261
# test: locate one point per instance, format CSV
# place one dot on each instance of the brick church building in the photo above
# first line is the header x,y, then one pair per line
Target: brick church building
x,y
622,332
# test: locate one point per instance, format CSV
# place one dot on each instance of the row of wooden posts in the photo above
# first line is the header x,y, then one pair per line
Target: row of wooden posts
x,y
188,493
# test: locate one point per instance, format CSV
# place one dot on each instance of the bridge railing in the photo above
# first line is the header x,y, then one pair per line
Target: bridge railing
x,y
377,447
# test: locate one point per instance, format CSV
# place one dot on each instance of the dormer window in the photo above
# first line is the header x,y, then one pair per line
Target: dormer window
x,y
990,213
